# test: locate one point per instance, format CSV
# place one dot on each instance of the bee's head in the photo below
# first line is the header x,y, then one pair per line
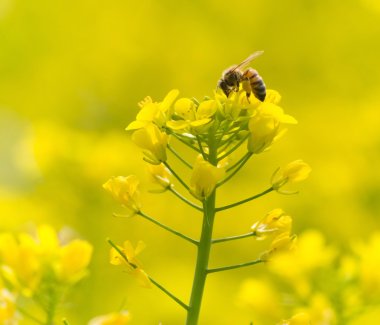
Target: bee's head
x,y
232,77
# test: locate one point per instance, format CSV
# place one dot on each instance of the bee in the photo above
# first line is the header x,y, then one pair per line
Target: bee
x,y
250,79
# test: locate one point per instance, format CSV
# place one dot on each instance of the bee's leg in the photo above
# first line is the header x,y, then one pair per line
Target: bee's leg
x,y
248,95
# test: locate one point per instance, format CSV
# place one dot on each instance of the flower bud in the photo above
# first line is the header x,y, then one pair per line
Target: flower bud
x,y
204,178
266,126
294,172
160,175
276,221
298,319
121,318
125,191
153,141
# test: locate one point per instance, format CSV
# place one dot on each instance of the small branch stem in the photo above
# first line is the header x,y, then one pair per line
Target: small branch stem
x,y
221,240
233,148
182,198
201,148
159,286
179,138
167,292
175,153
174,232
236,266
244,201
176,175
242,163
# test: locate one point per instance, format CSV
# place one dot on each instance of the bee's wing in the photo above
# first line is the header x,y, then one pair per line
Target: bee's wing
x,y
248,60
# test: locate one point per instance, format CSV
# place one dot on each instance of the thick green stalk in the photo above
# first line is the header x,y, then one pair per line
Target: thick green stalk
x,y
202,261
204,247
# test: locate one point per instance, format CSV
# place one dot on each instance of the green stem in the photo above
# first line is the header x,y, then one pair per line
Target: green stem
x,y
159,286
221,240
175,232
229,206
179,138
233,148
204,248
65,322
242,163
167,292
201,148
181,197
176,175
175,153
236,266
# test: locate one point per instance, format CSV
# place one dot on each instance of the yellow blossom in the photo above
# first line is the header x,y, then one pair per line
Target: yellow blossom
x,y
128,257
204,178
284,242
153,141
125,191
276,221
197,120
7,308
152,112
73,260
120,318
266,126
294,172
160,175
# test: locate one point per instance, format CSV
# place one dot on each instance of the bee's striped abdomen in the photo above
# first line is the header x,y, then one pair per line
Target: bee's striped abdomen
x,y
256,82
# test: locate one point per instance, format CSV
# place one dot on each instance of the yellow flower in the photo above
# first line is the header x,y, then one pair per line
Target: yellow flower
x,y
276,221
298,319
121,318
151,112
266,126
21,262
284,242
160,175
294,172
7,308
73,260
197,120
125,191
128,258
153,141
204,178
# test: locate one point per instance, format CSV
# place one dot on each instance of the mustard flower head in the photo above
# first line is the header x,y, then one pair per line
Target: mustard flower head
x,y
276,221
266,126
120,318
153,141
30,261
125,190
160,175
126,255
204,178
294,172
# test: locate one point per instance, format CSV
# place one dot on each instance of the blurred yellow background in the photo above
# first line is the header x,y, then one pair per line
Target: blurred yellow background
x,y
71,73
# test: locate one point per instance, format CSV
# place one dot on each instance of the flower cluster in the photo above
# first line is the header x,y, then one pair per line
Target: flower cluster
x,y
40,267
213,129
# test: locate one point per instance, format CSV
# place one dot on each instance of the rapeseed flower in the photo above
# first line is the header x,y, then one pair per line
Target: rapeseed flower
x,y
153,141
125,190
204,178
276,221
294,172
126,255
